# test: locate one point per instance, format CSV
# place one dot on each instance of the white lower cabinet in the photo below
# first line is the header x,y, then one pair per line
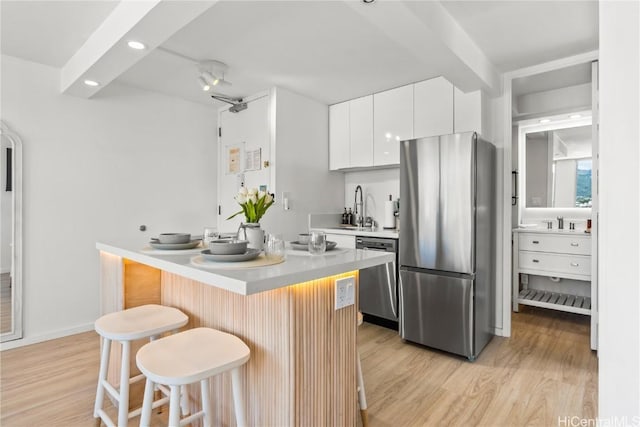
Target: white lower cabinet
x,y
558,256
342,240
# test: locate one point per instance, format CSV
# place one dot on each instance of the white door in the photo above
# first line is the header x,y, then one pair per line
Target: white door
x,y
244,157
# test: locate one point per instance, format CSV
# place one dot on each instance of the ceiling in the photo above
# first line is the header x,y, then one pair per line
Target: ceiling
x,y
328,50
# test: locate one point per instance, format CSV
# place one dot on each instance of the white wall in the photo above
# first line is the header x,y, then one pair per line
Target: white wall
x,y
571,98
302,165
619,249
94,170
376,185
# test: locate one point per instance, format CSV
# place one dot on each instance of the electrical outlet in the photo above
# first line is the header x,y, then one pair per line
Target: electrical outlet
x,y
345,292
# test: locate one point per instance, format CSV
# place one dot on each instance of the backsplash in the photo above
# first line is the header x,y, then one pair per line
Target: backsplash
x,y
376,187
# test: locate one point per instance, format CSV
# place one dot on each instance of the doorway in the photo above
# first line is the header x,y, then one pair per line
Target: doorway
x,y
544,94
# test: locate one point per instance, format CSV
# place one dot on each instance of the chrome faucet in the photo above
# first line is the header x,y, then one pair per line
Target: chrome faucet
x,y
358,212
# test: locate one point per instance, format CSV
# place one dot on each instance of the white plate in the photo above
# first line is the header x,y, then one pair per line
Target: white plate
x,y
247,256
190,245
305,247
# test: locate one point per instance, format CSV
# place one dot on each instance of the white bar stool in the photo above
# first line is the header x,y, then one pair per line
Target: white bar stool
x,y
146,321
362,398
188,357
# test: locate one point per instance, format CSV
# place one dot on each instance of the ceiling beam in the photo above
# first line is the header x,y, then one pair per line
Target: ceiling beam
x,y
105,55
411,23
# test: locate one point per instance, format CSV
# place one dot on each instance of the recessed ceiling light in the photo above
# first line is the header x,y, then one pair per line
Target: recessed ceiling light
x,y
575,116
91,83
545,120
368,1
136,45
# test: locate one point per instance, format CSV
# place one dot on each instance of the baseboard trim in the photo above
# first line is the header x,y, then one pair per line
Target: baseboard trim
x,y
499,332
46,337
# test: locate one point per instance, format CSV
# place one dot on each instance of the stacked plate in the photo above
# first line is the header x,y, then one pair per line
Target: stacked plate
x,y
299,246
229,250
174,241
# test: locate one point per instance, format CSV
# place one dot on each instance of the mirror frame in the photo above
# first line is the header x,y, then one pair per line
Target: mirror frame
x,y
16,250
534,125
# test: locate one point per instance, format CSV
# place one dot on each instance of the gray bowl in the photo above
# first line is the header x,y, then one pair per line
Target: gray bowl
x,y
174,238
228,246
303,238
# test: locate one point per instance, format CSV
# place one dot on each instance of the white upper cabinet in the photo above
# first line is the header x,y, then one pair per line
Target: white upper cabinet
x,y
361,131
433,108
392,123
365,132
339,135
471,112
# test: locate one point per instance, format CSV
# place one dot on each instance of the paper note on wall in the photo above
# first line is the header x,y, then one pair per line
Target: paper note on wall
x,y
253,159
233,160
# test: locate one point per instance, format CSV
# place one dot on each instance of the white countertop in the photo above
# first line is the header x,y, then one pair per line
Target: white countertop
x,y
248,281
565,231
392,234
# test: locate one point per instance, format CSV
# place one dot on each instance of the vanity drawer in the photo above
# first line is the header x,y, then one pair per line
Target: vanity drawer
x,y
565,244
555,263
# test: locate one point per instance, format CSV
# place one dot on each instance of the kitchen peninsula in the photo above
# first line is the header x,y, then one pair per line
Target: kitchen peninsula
x,y
303,350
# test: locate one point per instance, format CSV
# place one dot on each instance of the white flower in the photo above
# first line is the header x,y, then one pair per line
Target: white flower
x,y
252,198
241,198
268,199
261,194
253,191
242,191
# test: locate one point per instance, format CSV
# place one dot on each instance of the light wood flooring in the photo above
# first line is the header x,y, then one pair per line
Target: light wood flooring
x,y
5,303
543,371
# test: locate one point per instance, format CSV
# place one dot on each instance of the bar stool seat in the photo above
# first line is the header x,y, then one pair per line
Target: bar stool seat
x,y
188,357
146,321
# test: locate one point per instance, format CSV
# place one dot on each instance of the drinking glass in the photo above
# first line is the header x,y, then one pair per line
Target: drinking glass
x,y
210,233
317,242
274,247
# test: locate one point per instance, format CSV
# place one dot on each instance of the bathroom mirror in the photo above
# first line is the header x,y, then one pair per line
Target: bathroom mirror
x,y
558,167
11,236
556,161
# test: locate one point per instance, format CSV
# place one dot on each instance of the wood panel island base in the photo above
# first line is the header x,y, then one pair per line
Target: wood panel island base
x,y
302,369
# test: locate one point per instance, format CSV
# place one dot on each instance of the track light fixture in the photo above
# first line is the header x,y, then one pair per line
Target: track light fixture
x,y
211,73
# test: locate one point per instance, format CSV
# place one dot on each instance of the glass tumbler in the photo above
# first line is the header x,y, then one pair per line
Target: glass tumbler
x,y
210,233
274,247
317,242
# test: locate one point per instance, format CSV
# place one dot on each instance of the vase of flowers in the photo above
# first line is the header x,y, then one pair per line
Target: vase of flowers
x,y
254,205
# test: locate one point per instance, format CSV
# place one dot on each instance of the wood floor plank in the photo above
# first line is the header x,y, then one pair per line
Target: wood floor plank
x,y
544,371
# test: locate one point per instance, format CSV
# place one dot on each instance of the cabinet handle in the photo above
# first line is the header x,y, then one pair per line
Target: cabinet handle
x,y
575,264
535,242
535,260
575,244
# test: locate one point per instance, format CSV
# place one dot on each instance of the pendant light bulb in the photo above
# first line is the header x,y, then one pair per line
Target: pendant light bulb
x,y
210,78
205,86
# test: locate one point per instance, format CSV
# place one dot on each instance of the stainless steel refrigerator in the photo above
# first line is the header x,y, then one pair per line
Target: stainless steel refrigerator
x,y
447,241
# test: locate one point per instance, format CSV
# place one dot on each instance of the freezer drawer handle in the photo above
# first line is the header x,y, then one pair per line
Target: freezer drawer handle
x,y
535,260
575,264
535,242
575,244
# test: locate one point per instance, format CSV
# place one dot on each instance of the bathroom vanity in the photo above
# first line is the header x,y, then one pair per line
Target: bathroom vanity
x,y
558,255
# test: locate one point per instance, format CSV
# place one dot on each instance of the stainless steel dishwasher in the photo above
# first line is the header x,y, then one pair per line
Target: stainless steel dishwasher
x,y
378,285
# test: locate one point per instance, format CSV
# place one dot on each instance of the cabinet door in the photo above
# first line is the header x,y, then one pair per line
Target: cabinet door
x,y
361,131
467,111
433,111
339,136
392,123
343,240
